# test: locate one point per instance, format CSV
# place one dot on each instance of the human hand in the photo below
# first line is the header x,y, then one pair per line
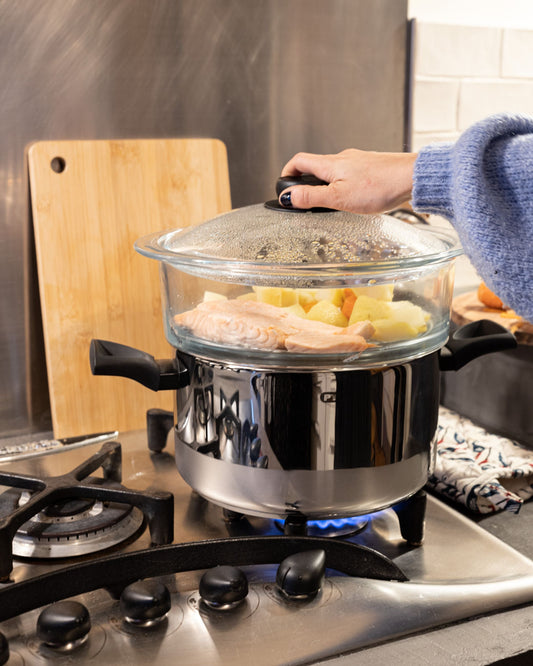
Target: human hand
x,y
359,181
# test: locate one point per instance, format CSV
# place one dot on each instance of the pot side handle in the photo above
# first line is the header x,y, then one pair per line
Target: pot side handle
x,y
473,340
114,359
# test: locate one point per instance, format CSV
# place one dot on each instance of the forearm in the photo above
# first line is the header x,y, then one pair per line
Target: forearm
x,y
483,184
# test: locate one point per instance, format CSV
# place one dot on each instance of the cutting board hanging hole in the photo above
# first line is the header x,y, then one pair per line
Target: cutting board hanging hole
x,y
58,164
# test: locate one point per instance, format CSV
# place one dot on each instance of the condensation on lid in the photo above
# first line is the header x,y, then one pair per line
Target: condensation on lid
x,y
259,235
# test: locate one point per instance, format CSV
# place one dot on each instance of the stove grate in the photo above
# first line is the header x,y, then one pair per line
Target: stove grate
x,y
158,507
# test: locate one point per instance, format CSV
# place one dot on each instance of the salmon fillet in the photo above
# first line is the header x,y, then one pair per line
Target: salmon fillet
x,y
237,323
362,328
324,343
264,326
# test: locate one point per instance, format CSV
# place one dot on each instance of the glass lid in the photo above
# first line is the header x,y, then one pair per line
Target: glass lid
x,y
257,241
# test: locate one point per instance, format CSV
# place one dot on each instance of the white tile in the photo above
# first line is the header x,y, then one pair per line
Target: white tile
x,y
479,99
510,13
421,139
435,105
456,50
517,53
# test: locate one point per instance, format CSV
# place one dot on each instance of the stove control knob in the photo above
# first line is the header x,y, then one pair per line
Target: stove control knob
x,y
145,602
223,587
4,649
300,575
65,624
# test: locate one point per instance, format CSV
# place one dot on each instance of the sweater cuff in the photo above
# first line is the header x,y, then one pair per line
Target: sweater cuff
x,y
432,180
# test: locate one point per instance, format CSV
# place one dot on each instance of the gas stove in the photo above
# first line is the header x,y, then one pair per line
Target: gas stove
x,y
203,585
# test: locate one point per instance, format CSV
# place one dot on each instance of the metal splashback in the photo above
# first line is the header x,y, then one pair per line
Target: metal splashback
x,y
268,77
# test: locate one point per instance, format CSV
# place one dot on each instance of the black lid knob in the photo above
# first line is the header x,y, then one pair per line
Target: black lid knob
x,y
284,182
223,587
63,622
145,602
4,649
300,575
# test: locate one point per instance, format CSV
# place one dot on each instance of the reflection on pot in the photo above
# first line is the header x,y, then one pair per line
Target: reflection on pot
x,y
307,423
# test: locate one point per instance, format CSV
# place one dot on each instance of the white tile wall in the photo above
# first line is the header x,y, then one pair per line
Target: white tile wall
x,y
454,50
481,98
435,104
465,73
517,53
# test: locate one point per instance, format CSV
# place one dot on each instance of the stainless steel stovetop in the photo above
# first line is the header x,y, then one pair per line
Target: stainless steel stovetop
x,y
461,571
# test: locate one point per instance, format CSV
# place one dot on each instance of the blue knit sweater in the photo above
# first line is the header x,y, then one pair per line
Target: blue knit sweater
x,y
484,185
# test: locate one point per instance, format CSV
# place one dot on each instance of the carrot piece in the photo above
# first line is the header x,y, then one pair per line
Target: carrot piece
x,y
489,298
349,302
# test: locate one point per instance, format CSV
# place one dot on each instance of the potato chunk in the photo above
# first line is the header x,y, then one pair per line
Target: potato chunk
x,y
383,292
393,320
389,330
410,313
367,308
328,313
296,309
270,295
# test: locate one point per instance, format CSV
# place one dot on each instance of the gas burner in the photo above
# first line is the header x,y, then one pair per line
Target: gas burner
x,y
410,513
329,527
75,514
71,527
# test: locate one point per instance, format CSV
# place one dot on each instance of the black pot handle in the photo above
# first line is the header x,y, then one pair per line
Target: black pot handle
x,y
473,340
112,358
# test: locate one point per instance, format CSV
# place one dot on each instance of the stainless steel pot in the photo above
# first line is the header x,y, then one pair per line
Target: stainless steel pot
x,y
322,443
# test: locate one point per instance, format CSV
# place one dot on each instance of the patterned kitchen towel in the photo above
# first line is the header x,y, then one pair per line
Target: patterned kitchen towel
x,y
485,472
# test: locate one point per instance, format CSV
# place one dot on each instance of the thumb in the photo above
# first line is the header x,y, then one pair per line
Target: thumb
x,y
305,196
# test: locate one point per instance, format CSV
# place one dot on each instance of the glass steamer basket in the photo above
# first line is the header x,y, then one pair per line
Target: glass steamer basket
x,y
322,266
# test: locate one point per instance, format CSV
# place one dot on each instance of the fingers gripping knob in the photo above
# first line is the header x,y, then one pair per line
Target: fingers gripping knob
x,y
284,201
289,181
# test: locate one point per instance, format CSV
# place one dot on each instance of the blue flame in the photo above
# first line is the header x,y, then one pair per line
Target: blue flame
x,y
331,525
337,523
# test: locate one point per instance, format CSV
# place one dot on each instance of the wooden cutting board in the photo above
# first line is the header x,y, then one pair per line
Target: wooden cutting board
x,y
467,308
90,201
